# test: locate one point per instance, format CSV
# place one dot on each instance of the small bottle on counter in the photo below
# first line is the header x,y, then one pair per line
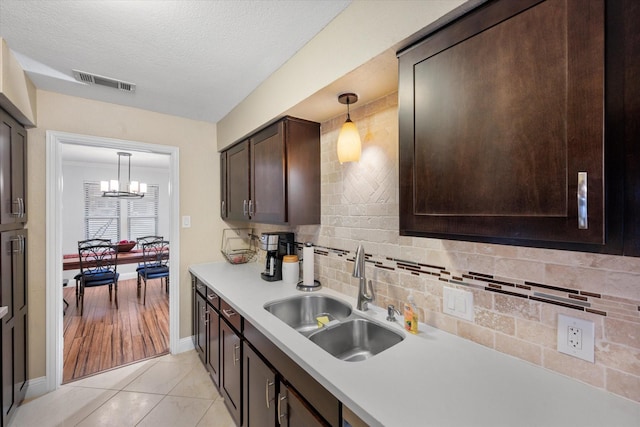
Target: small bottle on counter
x,y
411,315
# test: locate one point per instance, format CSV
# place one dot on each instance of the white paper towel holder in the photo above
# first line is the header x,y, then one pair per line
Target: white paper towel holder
x,y
301,286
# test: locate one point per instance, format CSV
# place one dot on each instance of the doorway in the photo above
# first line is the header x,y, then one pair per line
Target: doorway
x,y
57,144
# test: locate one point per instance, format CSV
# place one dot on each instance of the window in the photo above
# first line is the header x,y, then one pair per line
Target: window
x,y
105,218
143,214
101,214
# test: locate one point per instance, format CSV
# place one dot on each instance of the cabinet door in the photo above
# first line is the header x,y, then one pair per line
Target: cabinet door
x,y
259,391
268,185
223,186
213,345
500,113
20,314
231,370
293,411
14,324
201,321
237,169
13,145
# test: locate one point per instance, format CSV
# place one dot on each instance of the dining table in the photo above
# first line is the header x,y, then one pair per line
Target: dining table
x,y
72,261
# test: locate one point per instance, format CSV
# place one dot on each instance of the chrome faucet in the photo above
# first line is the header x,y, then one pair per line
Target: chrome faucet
x,y
359,273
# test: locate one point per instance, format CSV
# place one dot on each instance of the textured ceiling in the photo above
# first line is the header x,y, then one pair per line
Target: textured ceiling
x,y
194,59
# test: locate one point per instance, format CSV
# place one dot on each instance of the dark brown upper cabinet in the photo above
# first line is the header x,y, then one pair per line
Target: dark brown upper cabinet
x,y
274,175
502,128
13,172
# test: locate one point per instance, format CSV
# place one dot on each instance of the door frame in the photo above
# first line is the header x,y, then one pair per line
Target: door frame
x,y
54,315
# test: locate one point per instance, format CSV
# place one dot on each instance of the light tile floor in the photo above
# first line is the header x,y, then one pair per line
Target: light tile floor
x,y
166,391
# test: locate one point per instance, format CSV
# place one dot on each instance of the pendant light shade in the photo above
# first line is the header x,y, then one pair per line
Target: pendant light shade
x,y
349,145
123,188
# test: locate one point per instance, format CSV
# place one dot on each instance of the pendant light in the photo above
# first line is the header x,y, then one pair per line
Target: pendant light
x,y
349,145
120,188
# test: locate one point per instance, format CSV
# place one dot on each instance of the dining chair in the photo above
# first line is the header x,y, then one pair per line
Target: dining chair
x,y
141,241
98,267
155,255
146,239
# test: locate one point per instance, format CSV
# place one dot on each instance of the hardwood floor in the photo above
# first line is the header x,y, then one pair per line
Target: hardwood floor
x,y
106,337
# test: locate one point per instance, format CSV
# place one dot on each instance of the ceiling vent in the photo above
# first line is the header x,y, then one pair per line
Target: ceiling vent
x,y
95,79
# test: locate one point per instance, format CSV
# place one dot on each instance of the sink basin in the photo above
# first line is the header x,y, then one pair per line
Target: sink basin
x,y
301,312
356,339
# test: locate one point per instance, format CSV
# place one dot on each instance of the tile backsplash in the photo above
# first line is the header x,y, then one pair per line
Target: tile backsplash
x,y
518,291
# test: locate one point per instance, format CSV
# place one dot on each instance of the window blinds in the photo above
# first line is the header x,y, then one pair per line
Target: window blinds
x,y
101,214
143,214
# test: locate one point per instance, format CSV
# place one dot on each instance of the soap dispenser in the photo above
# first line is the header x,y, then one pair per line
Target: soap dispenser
x,y
411,315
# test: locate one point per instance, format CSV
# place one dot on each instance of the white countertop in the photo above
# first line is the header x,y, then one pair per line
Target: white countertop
x,y
430,379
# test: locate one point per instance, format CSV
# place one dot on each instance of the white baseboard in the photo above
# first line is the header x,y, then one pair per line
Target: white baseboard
x,y
36,387
185,344
127,276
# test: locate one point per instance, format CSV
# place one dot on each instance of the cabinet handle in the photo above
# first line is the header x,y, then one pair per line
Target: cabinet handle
x,y
14,212
280,414
583,223
244,208
21,246
229,313
222,208
266,393
251,208
22,208
212,297
236,359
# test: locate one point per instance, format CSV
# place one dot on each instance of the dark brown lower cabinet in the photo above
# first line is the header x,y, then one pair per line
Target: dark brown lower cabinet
x,y
213,342
231,370
200,325
293,411
260,384
259,391
13,295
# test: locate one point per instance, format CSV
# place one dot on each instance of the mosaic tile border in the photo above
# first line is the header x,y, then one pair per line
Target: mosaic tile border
x,y
576,299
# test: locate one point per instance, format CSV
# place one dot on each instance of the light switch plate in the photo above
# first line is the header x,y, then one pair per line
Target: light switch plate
x,y
576,337
458,302
186,221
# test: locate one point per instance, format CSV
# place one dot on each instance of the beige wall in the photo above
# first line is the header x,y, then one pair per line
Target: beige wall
x,y
17,92
360,206
361,32
199,190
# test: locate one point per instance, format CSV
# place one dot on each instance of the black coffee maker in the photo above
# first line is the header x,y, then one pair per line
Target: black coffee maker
x,y
277,244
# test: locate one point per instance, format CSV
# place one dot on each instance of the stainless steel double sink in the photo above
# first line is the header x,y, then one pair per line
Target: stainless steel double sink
x,y
347,335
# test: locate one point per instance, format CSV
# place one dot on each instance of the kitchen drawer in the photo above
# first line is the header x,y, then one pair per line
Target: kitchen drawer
x,y
230,315
213,299
201,288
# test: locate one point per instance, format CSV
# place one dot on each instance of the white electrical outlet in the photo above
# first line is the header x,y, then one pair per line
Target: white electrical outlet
x,y
457,302
576,337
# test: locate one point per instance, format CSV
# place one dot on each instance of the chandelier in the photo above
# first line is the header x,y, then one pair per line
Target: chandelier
x,y
121,188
